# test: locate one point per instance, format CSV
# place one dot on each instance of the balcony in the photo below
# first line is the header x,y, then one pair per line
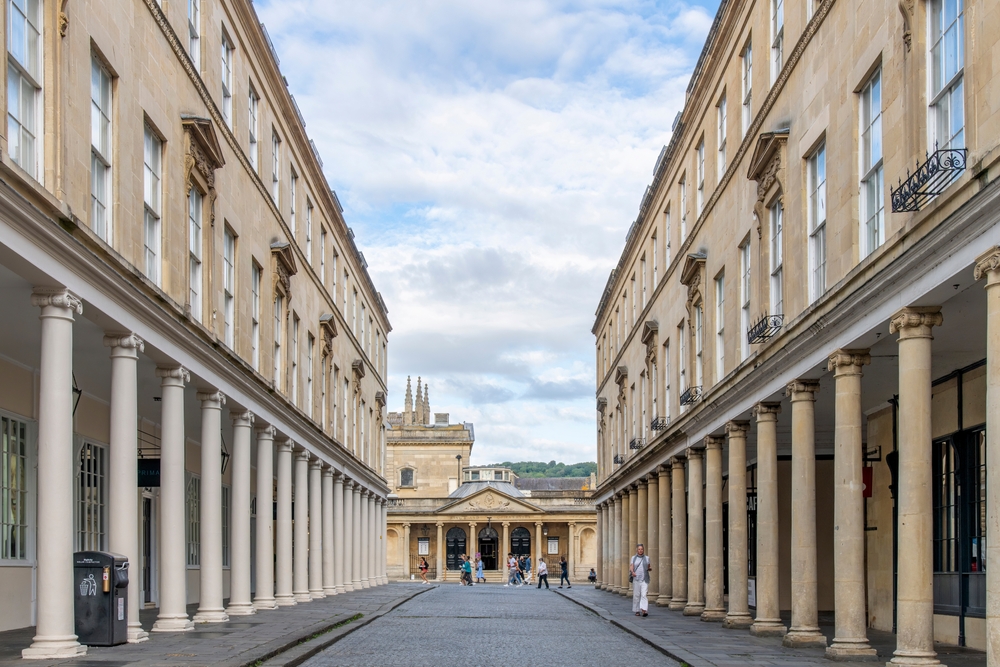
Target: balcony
x,y
691,395
930,179
636,443
619,459
765,328
659,423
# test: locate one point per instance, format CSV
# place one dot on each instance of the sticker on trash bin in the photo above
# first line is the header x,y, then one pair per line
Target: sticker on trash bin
x,y
121,609
88,586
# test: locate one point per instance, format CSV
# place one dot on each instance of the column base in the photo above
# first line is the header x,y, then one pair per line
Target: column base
x,y
302,596
329,591
136,635
737,621
241,609
851,650
265,604
913,659
173,624
317,594
677,604
366,584
803,638
768,629
663,601
43,648
713,615
341,589
694,608
358,585
285,600
211,616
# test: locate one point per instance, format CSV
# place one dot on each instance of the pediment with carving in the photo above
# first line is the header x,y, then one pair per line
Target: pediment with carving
x,y
488,501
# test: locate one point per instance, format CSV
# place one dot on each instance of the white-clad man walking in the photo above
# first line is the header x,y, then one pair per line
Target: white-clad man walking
x,y
638,570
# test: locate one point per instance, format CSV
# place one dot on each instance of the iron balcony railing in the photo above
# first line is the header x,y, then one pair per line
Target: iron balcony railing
x,y
765,328
691,395
636,443
659,423
619,459
938,171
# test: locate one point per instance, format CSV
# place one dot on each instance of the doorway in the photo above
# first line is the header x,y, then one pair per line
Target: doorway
x,y
455,545
520,542
488,543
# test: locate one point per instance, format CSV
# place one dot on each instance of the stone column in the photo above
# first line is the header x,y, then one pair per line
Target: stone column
x,y
739,609
383,577
347,542
406,551
264,598
696,536
642,517
300,541
210,605
600,547
988,266
356,538
284,597
505,550
768,621
54,636
440,549
679,597
329,578
624,548
665,557
374,540
653,535
715,604
633,527
804,630
538,541
850,640
472,545
915,572
173,538
316,529
123,533
240,602
366,537
615,584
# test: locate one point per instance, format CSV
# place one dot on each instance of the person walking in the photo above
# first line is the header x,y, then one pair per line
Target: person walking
x,y
564,572
543,574
423,569
467,570
480,577
527,569
638,569
511,570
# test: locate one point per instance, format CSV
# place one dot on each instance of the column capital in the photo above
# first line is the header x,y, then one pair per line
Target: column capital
x,y
286,445
244,418
802,390
767,411
539,524
440,524
915,322
266,431
124,341
677,462
663,471
695,453
302,455
348,483
714,441
640,482
571,523
505,524
327,470
212,397
44,297
737,428
316,463
848,362
651,476
988,266
173,375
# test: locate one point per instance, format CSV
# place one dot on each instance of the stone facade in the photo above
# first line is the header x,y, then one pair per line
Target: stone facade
x,y
792,292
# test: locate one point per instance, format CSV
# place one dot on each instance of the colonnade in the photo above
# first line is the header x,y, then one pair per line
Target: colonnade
x,y
687,570
311,564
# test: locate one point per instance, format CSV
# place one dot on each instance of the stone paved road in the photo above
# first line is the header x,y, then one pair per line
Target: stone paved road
x,y
489,625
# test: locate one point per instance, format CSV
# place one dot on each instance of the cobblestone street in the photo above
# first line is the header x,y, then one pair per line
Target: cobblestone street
x,y
489,625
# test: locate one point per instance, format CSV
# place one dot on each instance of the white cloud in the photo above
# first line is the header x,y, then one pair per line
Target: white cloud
x,y
491,157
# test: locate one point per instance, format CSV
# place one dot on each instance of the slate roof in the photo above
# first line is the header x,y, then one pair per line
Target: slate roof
x,y
469,488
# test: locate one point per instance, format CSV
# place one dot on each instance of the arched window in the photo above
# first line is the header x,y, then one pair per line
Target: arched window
x,y
406,477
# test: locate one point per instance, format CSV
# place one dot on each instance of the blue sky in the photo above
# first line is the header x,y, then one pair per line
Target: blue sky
x,y
490,157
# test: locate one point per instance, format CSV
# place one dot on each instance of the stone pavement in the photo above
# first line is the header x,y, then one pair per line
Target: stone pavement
x,y
699,644
244,640
486,625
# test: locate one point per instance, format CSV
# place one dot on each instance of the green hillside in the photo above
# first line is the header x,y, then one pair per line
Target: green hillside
x,y
550,469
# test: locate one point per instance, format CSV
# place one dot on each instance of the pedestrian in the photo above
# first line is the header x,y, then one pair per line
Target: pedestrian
x,y
467,570
511,570
520,570
564,572
527,569
480,577
592,577
423,569
543,573
638,570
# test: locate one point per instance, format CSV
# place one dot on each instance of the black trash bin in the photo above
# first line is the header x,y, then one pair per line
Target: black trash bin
x,y
100,598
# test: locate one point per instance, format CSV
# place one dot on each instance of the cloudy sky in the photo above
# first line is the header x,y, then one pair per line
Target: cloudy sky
x,y
490,157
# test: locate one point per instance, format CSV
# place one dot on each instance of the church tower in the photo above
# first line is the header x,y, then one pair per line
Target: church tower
x,y
408,405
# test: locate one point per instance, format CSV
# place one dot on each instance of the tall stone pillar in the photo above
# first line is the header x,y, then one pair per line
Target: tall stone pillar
x,y
440,549
54,635
210,606
665,558
383,541
538,541
570,549
653,534
715,604
315,527
915,528
600,546
240,602
406,551
373,541
366,534
123,528
738,616
173,538
850,640
696,535
300,541
988,266
679,598
264,598
284,596
348,541
633,527
642,517
624,548
804,630
505,550
613,515
768,621
609,538
329,578
356,538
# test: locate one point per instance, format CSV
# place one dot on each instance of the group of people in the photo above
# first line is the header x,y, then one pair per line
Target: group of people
x,y
519,571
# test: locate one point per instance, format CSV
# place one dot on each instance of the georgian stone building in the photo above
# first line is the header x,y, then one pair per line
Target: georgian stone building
x,y
798,352
181,295
442,507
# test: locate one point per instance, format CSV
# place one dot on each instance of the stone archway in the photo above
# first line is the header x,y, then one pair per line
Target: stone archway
x,y
455,547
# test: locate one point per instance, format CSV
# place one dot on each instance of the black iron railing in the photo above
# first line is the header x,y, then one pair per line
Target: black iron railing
x,y
619,459
765,328
929,180
636,443
691,395
659,423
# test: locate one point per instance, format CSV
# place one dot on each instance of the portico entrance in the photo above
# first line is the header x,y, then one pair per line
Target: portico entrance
x,y
488,541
